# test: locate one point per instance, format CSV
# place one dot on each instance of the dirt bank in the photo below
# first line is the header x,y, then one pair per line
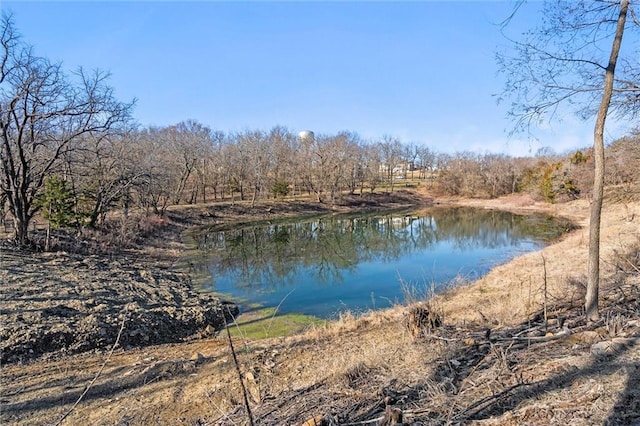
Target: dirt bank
x,y
73,301
55,303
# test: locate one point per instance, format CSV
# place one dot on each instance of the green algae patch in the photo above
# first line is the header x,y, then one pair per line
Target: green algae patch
x,y
262,323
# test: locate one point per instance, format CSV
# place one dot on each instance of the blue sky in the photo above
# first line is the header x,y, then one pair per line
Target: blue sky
x,y
421,71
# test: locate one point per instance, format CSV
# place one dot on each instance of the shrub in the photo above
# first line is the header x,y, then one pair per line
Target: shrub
x,y
280,188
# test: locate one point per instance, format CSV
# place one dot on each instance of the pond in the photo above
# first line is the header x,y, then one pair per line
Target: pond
x,y
321,266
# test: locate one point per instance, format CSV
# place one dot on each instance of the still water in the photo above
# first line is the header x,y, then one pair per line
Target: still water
x,y
323,265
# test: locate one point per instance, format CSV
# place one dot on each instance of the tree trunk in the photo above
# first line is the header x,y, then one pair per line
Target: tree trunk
x,y
95,213
21,230
19,206
254,196
593,278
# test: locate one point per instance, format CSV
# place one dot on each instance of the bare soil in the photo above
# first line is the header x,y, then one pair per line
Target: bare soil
x,y
55,303
511,348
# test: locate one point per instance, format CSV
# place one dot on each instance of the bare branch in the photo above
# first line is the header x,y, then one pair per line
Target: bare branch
x,y
562,62
42,114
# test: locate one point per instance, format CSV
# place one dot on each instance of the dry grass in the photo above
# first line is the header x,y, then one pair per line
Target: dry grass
x,y
511,293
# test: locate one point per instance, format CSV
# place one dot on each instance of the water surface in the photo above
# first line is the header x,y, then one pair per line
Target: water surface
x,y
323,265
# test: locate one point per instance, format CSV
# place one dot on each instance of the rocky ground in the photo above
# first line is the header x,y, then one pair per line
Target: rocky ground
x,y
512,348
54,303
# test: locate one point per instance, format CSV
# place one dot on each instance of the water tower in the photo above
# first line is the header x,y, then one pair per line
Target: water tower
x,y
306,136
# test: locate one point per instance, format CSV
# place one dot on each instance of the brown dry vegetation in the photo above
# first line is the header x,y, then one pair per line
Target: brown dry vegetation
x,y
512,349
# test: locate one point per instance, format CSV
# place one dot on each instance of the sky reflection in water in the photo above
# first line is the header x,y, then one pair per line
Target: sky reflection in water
x,y
324,265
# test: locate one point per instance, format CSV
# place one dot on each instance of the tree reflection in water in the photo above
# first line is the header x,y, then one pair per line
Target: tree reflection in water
x,y
365,254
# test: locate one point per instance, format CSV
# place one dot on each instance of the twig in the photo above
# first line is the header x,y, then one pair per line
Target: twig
x,y
482,403
235,362
473,370
467,380
227,416
124,318
544,282
527,330
632,265
445,339
366,422
295,395
276,310
564,333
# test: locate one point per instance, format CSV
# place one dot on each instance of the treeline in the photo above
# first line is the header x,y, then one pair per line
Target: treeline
x,y
545,176
72,152
188,163
153,168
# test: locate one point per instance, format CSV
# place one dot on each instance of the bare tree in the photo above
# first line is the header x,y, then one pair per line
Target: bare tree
x,y
371,166
103,171
258,154
284,145
461,174
499,173
213,173
184,144
156,188
353,160
425,161
572,58
341,160
42,113
174,160
313,166
236,166
391,151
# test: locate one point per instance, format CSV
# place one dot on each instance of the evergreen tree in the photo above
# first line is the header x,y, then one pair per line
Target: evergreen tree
x,y
57,203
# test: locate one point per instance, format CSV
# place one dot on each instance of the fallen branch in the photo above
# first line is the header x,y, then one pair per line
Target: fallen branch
x,y
483,403
444,339
560,335
299,392
375,421
235,362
